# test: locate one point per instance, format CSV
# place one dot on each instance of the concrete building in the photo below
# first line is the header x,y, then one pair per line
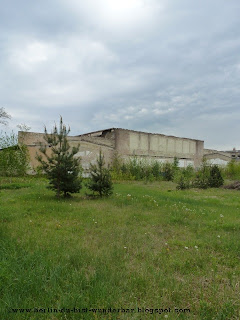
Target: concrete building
x,y
221,157
126,144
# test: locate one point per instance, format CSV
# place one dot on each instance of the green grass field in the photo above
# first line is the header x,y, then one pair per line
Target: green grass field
x,y
147,247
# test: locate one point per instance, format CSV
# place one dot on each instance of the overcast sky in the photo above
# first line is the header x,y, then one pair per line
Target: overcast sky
x,y
161,66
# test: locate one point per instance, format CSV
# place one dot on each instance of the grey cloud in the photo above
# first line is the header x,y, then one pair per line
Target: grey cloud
x,y
171,67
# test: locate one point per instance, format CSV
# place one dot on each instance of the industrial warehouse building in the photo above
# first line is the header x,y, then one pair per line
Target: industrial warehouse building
x,y
128,144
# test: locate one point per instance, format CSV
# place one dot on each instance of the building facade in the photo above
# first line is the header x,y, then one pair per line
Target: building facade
x,y
125,144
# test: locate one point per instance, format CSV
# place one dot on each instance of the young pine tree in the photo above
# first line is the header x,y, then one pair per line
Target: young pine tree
x,y
215,179
62,168
100,178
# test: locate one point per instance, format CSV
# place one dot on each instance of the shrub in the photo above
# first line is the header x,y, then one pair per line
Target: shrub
x,y
188,172
201,179
232,170
183,183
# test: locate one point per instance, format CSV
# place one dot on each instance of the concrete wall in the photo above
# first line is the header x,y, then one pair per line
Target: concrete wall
x,y
217,157
158,146
88,152
126,143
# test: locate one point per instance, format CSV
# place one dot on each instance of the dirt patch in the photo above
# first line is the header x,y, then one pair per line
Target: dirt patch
x,y
234,185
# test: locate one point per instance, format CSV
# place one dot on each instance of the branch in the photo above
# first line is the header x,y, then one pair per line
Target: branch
x,y
3,116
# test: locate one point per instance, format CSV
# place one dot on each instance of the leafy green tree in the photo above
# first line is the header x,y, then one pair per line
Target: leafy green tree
x,y
100,178
62,168
168,171
175,164
14,157
156,169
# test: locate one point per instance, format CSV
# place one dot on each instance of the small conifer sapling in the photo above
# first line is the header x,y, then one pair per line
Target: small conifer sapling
x,y
100,180
215,179
62,168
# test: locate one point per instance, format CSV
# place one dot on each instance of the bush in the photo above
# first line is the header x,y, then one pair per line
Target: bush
x,y
184,177
183,183
188,172
208,176
201,179
232,170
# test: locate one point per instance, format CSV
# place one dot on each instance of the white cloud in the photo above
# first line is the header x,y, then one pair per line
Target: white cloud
x,y
125,17
28,56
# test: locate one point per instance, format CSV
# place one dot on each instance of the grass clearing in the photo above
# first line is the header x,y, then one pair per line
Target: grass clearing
x,y
148,246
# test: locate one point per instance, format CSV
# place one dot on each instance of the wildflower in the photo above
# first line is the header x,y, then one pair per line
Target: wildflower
x,y
196,247
128,195
186,248
219,236
125,247
166,243
95,221
221,215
